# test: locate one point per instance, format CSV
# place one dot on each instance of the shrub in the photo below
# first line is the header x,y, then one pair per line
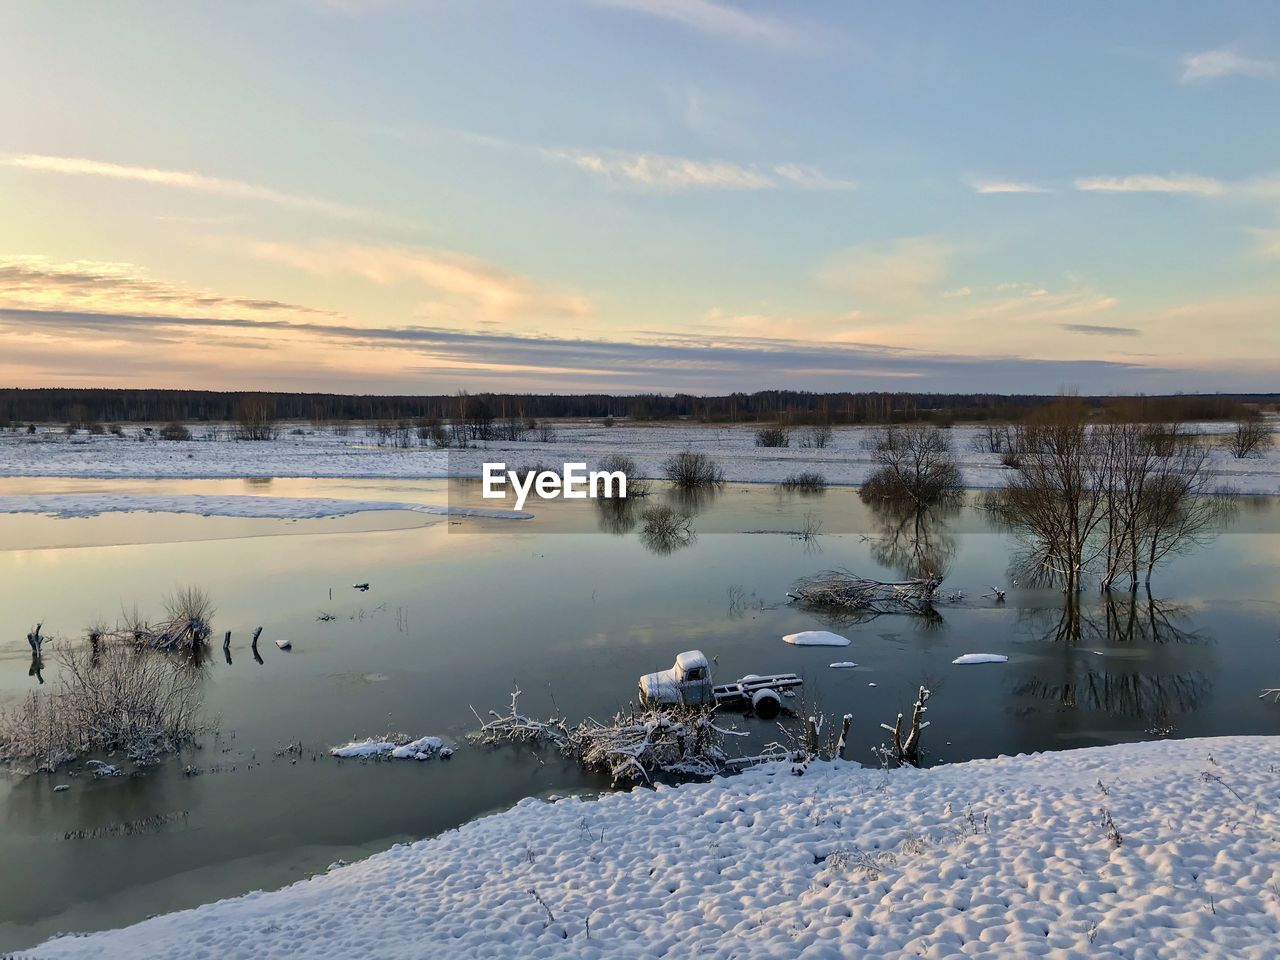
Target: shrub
x,y
1011,459
916,465
109,697
809,481
621,463
256,418
1251,435
116,430
691,471
817,438
174,431
773,436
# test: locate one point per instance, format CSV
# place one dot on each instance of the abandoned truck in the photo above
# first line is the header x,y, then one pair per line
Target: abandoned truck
x,y
688,684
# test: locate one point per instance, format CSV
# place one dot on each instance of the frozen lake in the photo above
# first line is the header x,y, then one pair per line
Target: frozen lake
x,y
573,607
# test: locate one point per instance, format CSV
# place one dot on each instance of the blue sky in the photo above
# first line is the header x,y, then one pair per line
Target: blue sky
x,y
641,195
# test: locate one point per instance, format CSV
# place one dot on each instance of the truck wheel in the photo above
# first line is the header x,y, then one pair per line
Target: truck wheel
x,y
766,704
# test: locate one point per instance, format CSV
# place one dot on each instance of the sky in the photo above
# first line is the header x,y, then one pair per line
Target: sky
x,y
391,196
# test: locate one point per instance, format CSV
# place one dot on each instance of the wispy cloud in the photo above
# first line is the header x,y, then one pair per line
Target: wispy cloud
x,y
1153,183
470,288
1099,330
1223,62
1266,242
722,20
40,282
1006,186
663,172
185,180
906,268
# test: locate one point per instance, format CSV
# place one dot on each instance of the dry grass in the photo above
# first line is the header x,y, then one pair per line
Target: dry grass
x,y
809,481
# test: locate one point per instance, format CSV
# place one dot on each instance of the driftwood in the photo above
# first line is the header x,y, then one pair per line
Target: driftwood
x,y
842,590
254,645
632,746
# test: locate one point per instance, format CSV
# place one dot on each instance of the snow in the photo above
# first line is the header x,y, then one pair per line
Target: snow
x,y
320,453
285,508
1005,858
816,638
424,748
843,665
981,658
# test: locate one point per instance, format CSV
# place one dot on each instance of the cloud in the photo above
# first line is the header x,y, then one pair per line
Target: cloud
x,y
1006,186
449,358
663,172
1153,183
473,289
1223,62
39,282
811,178
1098,330
905,268
185,180
1266,242
721,20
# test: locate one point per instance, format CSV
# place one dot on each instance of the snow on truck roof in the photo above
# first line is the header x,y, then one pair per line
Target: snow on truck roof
x,y
691,660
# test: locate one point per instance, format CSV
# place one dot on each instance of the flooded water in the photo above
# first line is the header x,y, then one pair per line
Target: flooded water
x,y
571,607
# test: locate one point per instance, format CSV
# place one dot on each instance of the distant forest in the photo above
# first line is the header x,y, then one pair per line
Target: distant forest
x,y
58,405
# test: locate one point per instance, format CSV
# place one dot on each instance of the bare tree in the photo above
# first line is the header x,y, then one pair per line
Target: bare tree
x,y
1251,435
256,418
916,465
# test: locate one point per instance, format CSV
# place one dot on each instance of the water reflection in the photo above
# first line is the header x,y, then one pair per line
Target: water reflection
x,y
1120,658
916,543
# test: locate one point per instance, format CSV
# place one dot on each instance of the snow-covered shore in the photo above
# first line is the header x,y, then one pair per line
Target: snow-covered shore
x,y
1164,849
252,507
323,454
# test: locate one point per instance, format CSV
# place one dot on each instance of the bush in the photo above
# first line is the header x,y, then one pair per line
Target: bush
x,y
817,438
1251,435
256,418
810,481
621,463
693,471
916,466
1011,459
174,431
116,430
774,436
110,697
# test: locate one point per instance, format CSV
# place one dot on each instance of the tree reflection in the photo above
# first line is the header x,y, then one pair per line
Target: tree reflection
x,y
915,542
1080,675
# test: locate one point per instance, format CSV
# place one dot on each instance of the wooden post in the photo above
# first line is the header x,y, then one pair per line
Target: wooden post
x,y
254,645
844,736
812,736
226,646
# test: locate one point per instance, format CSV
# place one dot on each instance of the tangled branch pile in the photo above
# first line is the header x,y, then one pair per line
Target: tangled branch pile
x,y
844,590
112,697
630,747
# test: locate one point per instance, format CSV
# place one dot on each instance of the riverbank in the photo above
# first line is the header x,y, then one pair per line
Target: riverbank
x,y
1157,849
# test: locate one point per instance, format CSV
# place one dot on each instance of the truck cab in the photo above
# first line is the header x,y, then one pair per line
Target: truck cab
x,y
687,683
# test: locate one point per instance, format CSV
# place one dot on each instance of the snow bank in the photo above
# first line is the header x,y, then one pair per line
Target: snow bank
x,y
424,748
323,454
816,638
287,508
1006,858
981,658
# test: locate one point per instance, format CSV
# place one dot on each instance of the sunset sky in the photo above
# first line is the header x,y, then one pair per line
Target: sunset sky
x,y
634,195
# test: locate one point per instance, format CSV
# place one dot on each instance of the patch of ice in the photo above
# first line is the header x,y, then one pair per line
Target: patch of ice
x,y
842,665
267,508
981,658
816,638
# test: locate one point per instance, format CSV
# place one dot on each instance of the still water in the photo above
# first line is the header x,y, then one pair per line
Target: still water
x,y
572,607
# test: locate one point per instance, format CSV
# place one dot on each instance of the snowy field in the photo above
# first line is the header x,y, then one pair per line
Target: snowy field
x,y
1154,850
281,508
319,453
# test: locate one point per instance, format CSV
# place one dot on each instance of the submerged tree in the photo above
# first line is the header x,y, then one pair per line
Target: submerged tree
x,y
914,465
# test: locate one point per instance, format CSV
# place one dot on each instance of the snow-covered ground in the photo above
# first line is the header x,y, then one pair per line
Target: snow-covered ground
x,y
321,453
1161,850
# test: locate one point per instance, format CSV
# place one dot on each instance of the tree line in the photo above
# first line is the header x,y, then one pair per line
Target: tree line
x,y
796,408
